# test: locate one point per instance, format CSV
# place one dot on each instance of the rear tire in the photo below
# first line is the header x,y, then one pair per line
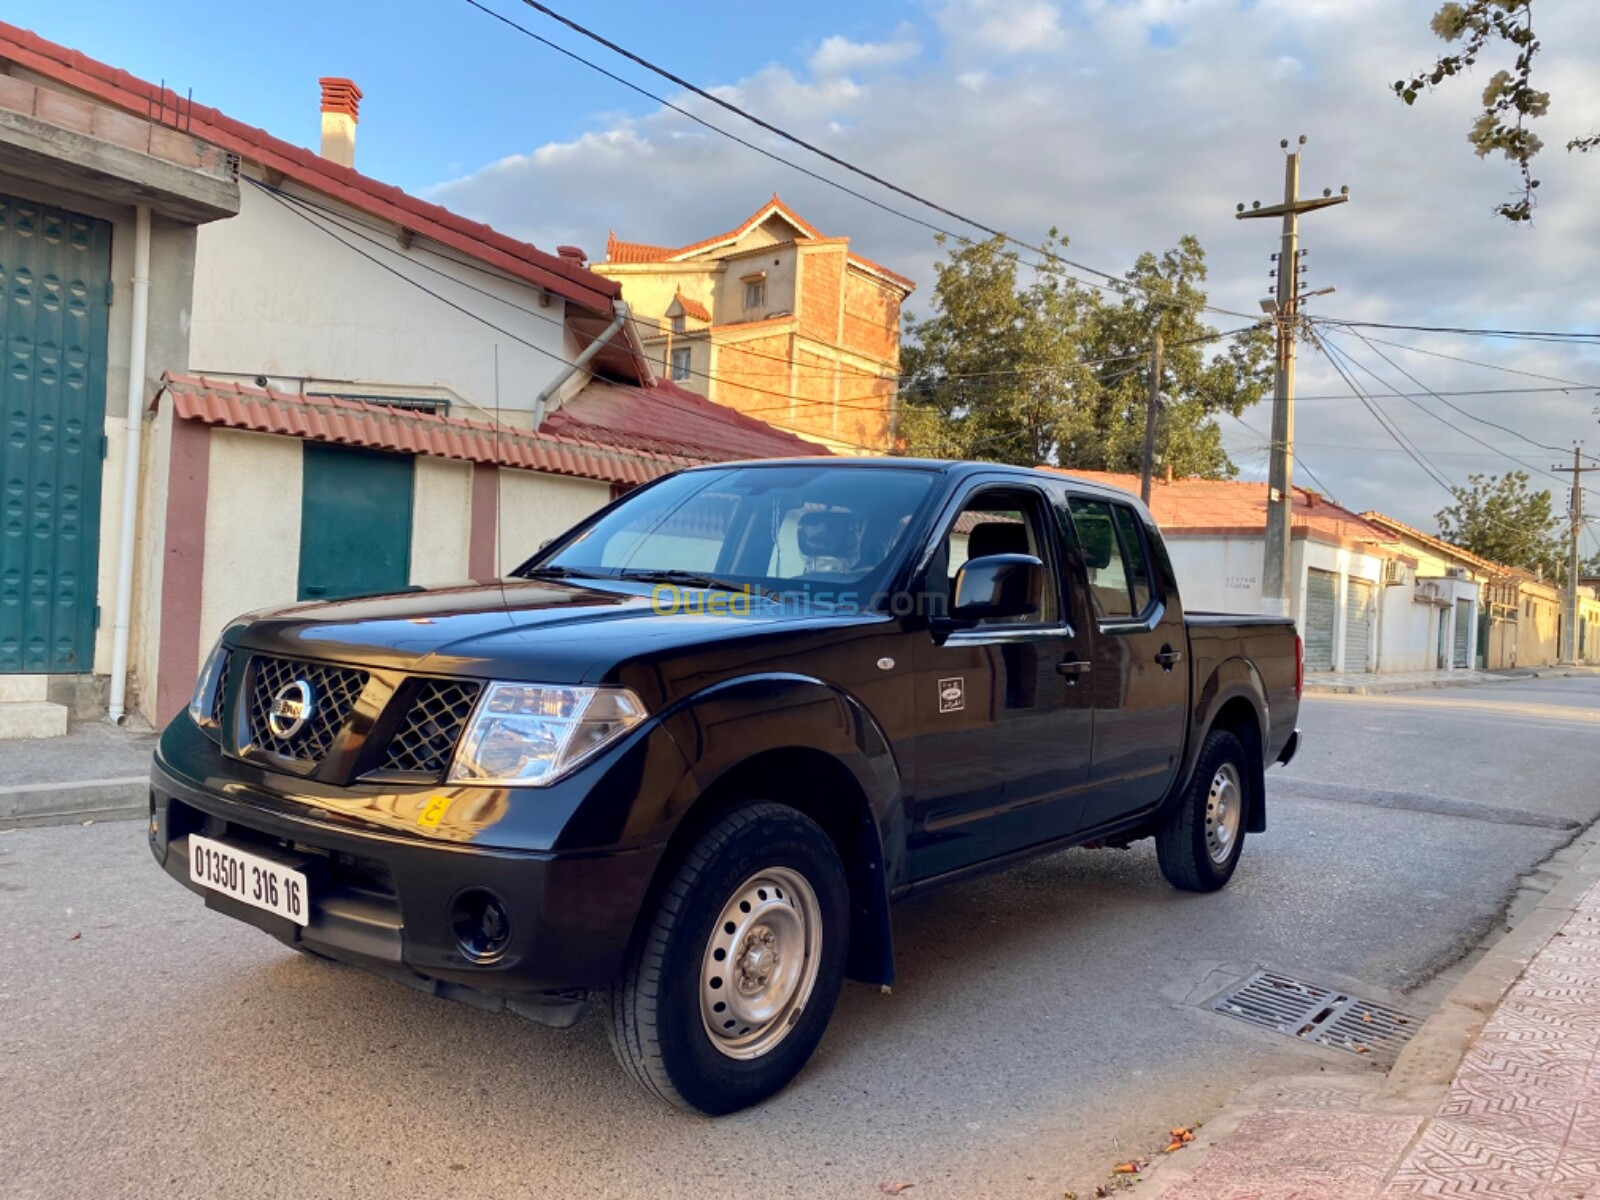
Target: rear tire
x,y
730,985
1198,847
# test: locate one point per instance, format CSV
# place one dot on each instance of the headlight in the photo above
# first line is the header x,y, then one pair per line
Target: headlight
x,y
205,689
529,734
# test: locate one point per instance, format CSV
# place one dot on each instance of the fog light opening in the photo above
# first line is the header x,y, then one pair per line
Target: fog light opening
x,y
481,925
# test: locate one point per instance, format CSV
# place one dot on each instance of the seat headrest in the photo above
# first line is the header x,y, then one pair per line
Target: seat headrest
x,y
830,535
997,537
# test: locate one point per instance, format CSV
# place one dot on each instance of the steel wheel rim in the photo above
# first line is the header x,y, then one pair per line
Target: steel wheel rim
x,y
761,963
1224,813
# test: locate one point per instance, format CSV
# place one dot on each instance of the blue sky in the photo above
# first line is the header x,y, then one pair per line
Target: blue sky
x,y
447,89
1125,123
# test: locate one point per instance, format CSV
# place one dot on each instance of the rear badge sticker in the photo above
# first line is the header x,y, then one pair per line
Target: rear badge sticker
x,y
952,695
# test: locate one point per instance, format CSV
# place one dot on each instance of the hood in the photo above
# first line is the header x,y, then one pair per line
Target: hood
x,y
545,630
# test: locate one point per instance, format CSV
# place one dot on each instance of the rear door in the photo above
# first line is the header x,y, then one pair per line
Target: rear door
x,y
1139,673
1004,724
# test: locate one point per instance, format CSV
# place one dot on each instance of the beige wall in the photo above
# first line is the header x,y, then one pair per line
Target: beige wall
x,y
252,527
441,520
535,508
275,296
779,267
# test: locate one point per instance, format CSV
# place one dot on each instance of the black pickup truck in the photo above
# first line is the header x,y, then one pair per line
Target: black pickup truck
x,y
685,757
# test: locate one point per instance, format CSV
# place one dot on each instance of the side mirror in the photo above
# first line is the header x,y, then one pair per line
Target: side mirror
x,y
997,585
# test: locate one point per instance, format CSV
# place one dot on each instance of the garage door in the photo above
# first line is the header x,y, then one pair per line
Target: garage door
x,y
1321,609
1357,624
1463,616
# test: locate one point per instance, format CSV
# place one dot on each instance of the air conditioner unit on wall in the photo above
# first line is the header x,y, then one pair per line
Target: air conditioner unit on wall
x,y
1394,574
1426,593
1455,572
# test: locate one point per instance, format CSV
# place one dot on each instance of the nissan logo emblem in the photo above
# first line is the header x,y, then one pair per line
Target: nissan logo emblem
x,y
292,707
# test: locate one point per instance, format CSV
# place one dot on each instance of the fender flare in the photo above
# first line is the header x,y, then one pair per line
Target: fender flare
x,y
732,724
1234,678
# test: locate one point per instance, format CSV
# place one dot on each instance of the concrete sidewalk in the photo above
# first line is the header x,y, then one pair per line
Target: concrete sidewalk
x,y
97,771
1373,683
1497,1095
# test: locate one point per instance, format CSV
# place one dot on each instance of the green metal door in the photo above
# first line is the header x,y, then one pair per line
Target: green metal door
x,y
55,276
355,522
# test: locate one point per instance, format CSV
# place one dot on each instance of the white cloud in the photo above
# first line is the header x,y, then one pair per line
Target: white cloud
x,y
840,56
1126,147
1004,26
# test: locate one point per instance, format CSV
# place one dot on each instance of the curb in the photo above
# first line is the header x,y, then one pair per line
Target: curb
x,y
1428,1063
79,800
1423,1072
1380,687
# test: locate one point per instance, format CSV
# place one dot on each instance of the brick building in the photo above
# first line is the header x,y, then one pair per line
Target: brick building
x,y
776,320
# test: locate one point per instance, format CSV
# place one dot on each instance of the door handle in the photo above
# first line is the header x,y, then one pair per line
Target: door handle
x,y
1072,668
1167,656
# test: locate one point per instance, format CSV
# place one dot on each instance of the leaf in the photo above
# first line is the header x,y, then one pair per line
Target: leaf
x,y
894,1189
75,936
1176,1145
1125,1168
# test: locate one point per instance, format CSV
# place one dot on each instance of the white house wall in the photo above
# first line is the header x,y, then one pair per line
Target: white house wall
x,y
252,527
535,508
274,295
441,520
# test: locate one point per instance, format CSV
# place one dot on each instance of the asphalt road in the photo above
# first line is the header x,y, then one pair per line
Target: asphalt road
x,y
1046,1021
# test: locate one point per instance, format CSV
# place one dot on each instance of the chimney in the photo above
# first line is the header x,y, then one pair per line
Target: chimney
x,y
341,102
573,254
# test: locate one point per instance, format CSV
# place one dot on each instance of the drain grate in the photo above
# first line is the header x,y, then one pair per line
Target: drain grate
x,y
1317,1014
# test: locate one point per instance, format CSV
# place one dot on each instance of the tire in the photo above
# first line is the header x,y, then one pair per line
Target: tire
x,y
1198,846
785,956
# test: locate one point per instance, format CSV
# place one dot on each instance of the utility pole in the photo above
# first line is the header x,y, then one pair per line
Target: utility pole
x,y
1284,311
1152,414
1569,632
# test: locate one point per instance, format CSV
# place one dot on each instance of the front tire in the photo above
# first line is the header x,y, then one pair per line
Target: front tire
x,y
1198,847
728,989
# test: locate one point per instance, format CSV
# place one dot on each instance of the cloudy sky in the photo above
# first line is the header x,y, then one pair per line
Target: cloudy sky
x,y
1127,123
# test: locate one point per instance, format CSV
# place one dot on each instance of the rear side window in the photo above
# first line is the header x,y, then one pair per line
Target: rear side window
x,y
1113,556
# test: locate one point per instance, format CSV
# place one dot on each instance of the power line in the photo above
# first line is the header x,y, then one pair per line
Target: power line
x,y
1573,383
1111,283
1528,334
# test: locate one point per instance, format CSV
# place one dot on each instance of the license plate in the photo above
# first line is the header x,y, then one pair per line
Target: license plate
x,y
256,881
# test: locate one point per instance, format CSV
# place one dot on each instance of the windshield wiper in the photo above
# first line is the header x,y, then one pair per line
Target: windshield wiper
x,y
558,573
693,579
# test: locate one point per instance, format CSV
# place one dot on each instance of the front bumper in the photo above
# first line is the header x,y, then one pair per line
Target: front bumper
x,y
382,900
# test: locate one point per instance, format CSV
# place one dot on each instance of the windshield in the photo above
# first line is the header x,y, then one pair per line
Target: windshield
x,y
774,529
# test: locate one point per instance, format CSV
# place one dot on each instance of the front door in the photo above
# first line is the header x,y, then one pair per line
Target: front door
x,y
55,272
1004,724
1141,667
355,522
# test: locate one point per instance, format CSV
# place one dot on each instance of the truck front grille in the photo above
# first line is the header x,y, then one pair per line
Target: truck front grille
x,y
334,692
427,736
219,698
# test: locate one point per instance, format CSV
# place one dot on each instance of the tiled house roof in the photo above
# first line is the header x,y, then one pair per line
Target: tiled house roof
x,y
692,308
1235,507
619,251
611,433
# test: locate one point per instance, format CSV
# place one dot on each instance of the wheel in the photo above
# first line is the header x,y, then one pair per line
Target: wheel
x,y
728,989
1198,847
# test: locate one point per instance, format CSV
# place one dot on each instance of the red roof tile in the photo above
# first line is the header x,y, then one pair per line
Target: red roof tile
x,y
618,251
692,308
669,419
119,88
1199,506
609,432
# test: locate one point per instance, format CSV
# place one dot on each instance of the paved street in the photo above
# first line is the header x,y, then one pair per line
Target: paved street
x,y
1046,1021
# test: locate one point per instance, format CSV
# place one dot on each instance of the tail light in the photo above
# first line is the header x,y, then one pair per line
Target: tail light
x,y
1299,667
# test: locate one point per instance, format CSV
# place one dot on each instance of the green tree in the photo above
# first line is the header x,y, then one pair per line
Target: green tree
x,y
1499,518
1510,100
1049,371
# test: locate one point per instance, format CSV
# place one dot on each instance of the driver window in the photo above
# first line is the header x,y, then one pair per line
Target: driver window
x,y
1002,522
